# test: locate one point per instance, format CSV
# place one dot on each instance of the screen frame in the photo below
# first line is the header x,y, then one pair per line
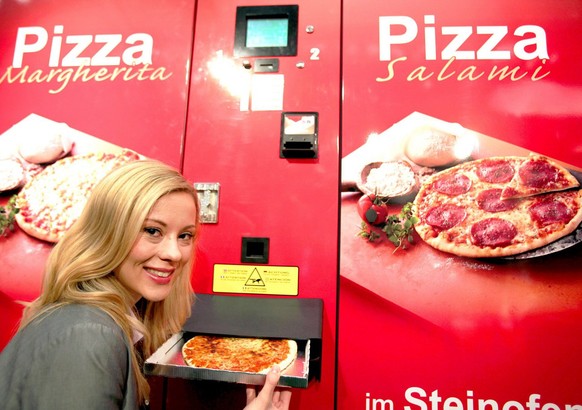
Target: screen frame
x,y
246,13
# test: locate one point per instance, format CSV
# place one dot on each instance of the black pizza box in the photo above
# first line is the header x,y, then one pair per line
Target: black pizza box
x,y
299,319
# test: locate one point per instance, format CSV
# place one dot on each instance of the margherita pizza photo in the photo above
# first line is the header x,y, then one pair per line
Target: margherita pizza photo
x,y
54,199
239,354
499,206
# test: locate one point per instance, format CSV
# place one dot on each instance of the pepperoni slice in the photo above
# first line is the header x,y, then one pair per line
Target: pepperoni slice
x,y
495,171
453,185
538,174
445,216
493,232
549,211
490,201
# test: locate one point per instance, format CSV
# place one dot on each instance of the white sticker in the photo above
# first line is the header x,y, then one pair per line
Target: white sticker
x,y
267,92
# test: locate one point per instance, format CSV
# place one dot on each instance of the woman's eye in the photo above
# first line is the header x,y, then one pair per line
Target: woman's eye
x,y
186,236
151,231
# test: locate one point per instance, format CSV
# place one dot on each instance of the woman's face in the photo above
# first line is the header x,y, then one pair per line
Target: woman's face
x,y
162,248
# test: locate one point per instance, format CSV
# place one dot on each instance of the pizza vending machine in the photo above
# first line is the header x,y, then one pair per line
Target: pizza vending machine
x,y
244,98
261,144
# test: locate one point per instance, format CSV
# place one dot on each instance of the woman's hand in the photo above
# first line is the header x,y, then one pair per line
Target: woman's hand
x,y
270,397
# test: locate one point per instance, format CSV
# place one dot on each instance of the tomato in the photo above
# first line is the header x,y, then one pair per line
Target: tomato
x,y
372,209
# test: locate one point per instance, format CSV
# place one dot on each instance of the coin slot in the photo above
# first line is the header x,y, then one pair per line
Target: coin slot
x,y
267,65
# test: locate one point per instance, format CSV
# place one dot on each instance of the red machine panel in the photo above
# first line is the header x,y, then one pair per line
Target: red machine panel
x,y
233,138
440,330
113,75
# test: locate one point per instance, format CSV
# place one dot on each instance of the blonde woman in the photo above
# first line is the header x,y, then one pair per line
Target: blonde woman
x,y
116,286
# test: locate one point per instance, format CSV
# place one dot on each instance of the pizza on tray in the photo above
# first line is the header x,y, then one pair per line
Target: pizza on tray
x,y
54,199
240,354
499,206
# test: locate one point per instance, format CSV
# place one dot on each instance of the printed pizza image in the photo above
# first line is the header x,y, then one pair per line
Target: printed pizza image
x,y
240,354
53,200
498,206
47,171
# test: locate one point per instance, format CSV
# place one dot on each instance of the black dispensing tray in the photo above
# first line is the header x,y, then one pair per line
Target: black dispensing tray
x,y
240,316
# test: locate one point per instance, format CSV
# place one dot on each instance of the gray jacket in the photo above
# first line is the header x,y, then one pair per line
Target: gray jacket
x,y
76,357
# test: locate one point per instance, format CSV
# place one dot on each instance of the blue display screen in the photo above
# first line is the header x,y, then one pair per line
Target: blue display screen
x,y
267,32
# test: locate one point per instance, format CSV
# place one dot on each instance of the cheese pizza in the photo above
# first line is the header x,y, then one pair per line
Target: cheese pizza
x,y
239,354
498,206
54,199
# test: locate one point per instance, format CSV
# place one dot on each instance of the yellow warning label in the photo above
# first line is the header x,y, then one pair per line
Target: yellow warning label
x,y
256,279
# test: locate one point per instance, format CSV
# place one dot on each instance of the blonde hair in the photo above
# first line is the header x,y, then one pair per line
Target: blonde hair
x,y
79,268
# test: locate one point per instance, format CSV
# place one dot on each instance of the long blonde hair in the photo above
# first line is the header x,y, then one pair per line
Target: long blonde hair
x,y
79,268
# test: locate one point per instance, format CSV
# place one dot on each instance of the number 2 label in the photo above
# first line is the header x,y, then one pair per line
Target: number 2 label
x,y
314,54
